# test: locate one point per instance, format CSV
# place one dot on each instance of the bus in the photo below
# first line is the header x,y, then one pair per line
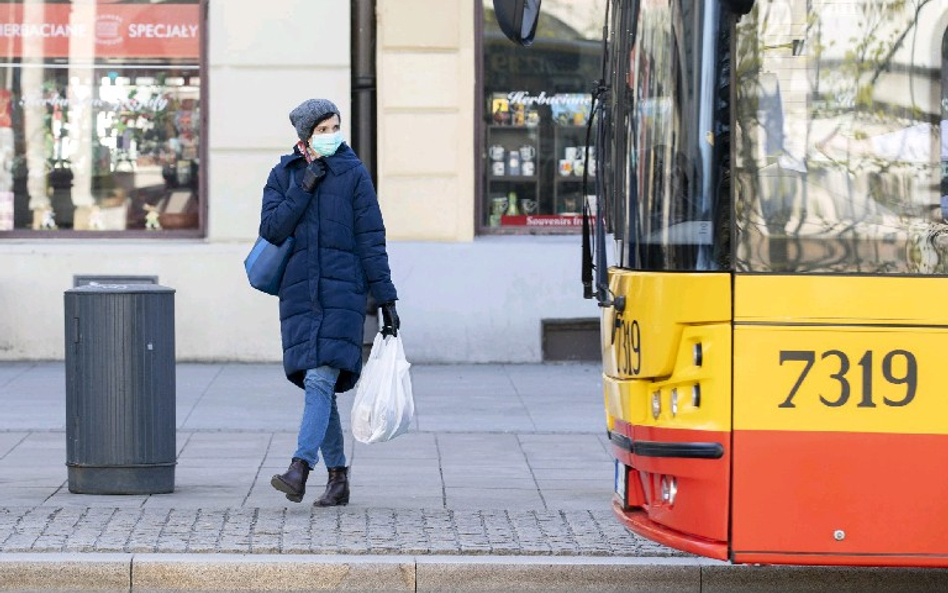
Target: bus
x,y
773,181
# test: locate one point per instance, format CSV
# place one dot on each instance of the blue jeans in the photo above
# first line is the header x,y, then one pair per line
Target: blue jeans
x,y
321,429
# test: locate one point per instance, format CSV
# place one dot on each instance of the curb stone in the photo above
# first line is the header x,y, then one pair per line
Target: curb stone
x,y
287,573
88,573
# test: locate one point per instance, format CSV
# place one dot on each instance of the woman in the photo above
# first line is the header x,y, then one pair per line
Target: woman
x,y
322,196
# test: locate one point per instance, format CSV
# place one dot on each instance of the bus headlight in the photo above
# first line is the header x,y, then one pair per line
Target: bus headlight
x,y
674,402
656,404
669,489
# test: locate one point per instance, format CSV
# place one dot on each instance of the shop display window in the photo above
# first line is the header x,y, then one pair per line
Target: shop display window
x,y
100,118
536,108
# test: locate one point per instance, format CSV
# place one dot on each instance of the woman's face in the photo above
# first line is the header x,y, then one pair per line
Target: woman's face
x,y
327,126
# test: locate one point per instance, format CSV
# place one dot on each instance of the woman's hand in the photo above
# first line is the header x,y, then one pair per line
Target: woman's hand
x,y
390,321
315,171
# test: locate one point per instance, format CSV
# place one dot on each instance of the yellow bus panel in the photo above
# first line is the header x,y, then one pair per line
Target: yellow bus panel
x,y
840,379
839,353
696,395
897,300
642,340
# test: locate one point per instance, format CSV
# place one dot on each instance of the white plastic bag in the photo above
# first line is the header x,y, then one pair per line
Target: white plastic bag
x,y
383,407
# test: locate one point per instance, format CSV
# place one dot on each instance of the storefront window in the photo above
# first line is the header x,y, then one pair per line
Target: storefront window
x,y
100,117
536,105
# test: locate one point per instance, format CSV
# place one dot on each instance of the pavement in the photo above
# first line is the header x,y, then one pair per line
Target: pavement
x,y
504,483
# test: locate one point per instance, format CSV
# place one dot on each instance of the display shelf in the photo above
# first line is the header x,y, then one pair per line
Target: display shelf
x,y
514,178
568,149
506,148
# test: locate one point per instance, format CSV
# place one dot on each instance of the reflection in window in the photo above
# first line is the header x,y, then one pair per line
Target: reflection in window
x,y
839,145
99,116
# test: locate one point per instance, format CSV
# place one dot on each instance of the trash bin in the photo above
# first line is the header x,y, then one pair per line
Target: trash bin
x,y
120,389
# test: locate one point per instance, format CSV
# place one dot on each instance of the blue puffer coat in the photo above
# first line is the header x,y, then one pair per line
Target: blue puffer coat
x,y
338,256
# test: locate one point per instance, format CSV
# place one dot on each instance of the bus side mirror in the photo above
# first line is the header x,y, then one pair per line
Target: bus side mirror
x,y
741,6
518,19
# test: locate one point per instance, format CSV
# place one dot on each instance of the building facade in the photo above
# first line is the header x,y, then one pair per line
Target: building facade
x,y
137,138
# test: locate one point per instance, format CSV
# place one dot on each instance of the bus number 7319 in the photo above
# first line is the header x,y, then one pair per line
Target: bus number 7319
x,y
907,377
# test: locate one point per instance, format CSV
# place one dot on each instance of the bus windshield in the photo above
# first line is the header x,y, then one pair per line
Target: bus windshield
x,y
671,210
839,155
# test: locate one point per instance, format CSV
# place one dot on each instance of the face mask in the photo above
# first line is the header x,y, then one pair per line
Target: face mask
x,y
325,144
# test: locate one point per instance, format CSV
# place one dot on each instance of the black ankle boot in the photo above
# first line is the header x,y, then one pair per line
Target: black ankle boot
x,y
293,482
337,488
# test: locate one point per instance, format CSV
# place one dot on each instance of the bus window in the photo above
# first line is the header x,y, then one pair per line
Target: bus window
x,y
838,153
668,157
943,126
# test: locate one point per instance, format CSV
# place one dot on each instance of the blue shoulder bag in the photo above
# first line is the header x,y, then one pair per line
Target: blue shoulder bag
x,y
266,262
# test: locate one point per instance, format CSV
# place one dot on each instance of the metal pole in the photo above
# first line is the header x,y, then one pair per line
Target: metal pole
x,y
362,32
363,83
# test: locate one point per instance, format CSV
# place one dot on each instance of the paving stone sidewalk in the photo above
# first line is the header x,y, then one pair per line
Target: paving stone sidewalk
x,y
502,460
309,530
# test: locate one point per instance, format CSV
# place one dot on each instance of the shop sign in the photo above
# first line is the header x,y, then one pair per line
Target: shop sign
x,y
545,220
60,102
525,98
116,31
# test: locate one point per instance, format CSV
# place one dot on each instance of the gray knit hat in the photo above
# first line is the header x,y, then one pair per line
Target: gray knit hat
x,y
309,113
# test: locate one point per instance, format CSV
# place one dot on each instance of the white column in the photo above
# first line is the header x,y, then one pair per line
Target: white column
x,y
34,113
81,81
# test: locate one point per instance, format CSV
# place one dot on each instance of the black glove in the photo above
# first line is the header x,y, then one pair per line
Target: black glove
x,y
313,174
390,322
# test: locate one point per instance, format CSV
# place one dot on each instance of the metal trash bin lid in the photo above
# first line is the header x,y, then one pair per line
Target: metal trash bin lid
x,y
130,288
